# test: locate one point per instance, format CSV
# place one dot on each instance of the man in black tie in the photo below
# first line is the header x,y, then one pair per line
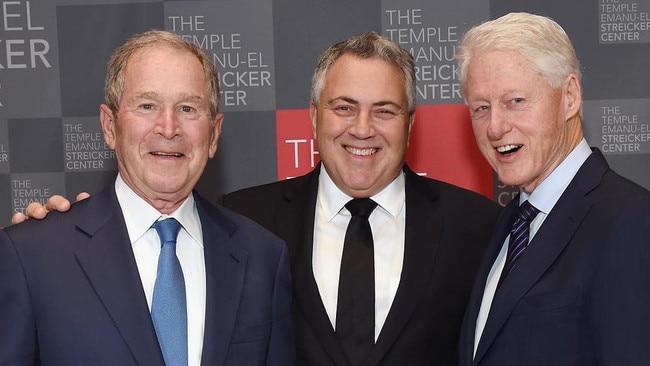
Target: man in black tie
x,y
94,287
412,283
565,279
424,238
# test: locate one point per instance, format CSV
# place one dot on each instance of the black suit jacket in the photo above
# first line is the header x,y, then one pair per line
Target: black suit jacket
x,y
580,293
447,229
70,292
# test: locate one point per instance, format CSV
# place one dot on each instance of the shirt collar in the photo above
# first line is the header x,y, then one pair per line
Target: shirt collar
x,y
333,200
139,215
549,191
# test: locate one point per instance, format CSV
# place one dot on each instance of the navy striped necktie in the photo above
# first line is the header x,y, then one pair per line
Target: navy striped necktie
x,y
518,236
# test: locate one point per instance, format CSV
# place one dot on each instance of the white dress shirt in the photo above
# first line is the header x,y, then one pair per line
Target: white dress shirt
x,y
387,223
544,198
139,217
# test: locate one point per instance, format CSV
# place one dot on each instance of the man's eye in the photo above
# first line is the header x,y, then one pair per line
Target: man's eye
x,y
386,111
480,108
479,111
344,110
515,101
146,106
187,109
384,114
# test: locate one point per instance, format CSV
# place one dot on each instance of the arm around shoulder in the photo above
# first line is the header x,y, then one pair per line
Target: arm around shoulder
x,y
18,333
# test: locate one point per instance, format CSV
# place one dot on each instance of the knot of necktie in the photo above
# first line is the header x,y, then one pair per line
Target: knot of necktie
x,y
167,230
361,206
527,211
518,237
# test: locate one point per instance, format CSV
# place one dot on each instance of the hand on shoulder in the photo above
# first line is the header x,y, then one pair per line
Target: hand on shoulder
x,y
39,211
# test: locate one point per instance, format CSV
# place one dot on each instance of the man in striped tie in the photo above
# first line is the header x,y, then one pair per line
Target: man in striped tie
x,y
565,279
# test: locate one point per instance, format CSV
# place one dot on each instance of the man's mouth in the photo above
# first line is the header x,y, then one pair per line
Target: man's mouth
x,y
162,153
361,152
508,149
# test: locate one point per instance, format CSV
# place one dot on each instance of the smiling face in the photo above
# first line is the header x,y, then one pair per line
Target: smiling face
x,y
523,126
362,124
163,133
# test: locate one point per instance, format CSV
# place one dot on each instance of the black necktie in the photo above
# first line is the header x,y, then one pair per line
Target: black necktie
x,y
518,236
355,310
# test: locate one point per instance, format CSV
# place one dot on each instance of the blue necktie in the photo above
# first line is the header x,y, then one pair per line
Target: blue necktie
x,y
168,308
518,236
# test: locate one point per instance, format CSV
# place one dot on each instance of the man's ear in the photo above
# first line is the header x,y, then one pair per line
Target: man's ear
x,y
410,128
107,121
572,96
216,132
313,114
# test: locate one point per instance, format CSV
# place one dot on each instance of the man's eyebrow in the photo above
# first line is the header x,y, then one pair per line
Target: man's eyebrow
x,y
350,100
345,99
385,103
147,95
191,98
182,97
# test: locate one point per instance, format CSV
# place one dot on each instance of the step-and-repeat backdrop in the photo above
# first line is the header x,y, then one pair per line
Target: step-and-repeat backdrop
x,y
53,56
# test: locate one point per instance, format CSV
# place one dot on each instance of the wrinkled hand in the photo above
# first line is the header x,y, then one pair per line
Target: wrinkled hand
x,y
38,211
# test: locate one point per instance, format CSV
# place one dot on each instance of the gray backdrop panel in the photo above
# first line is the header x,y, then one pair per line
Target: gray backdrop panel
x,y
53,56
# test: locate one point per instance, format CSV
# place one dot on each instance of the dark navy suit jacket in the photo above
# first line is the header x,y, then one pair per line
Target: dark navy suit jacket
x,y
580,293
447,229
70,292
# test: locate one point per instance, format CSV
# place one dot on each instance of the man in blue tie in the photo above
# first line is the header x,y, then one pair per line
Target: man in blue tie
x,y
147,272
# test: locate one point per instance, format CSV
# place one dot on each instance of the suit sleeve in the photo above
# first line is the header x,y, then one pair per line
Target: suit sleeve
x,y
17,327
281,350
620,315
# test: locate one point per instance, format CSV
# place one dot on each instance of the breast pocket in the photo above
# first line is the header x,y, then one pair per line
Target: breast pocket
x,y
568,297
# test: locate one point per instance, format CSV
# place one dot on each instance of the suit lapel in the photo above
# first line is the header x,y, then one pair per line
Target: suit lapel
x,y
225,267
547,245
298,211
108,262
474,305
421,242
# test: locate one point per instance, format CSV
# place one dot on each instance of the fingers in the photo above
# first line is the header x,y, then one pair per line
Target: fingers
x,y
55,203
39,211
18,217
34,209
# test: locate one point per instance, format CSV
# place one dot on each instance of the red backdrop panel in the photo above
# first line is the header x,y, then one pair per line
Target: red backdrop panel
x,y
297,152
441,147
